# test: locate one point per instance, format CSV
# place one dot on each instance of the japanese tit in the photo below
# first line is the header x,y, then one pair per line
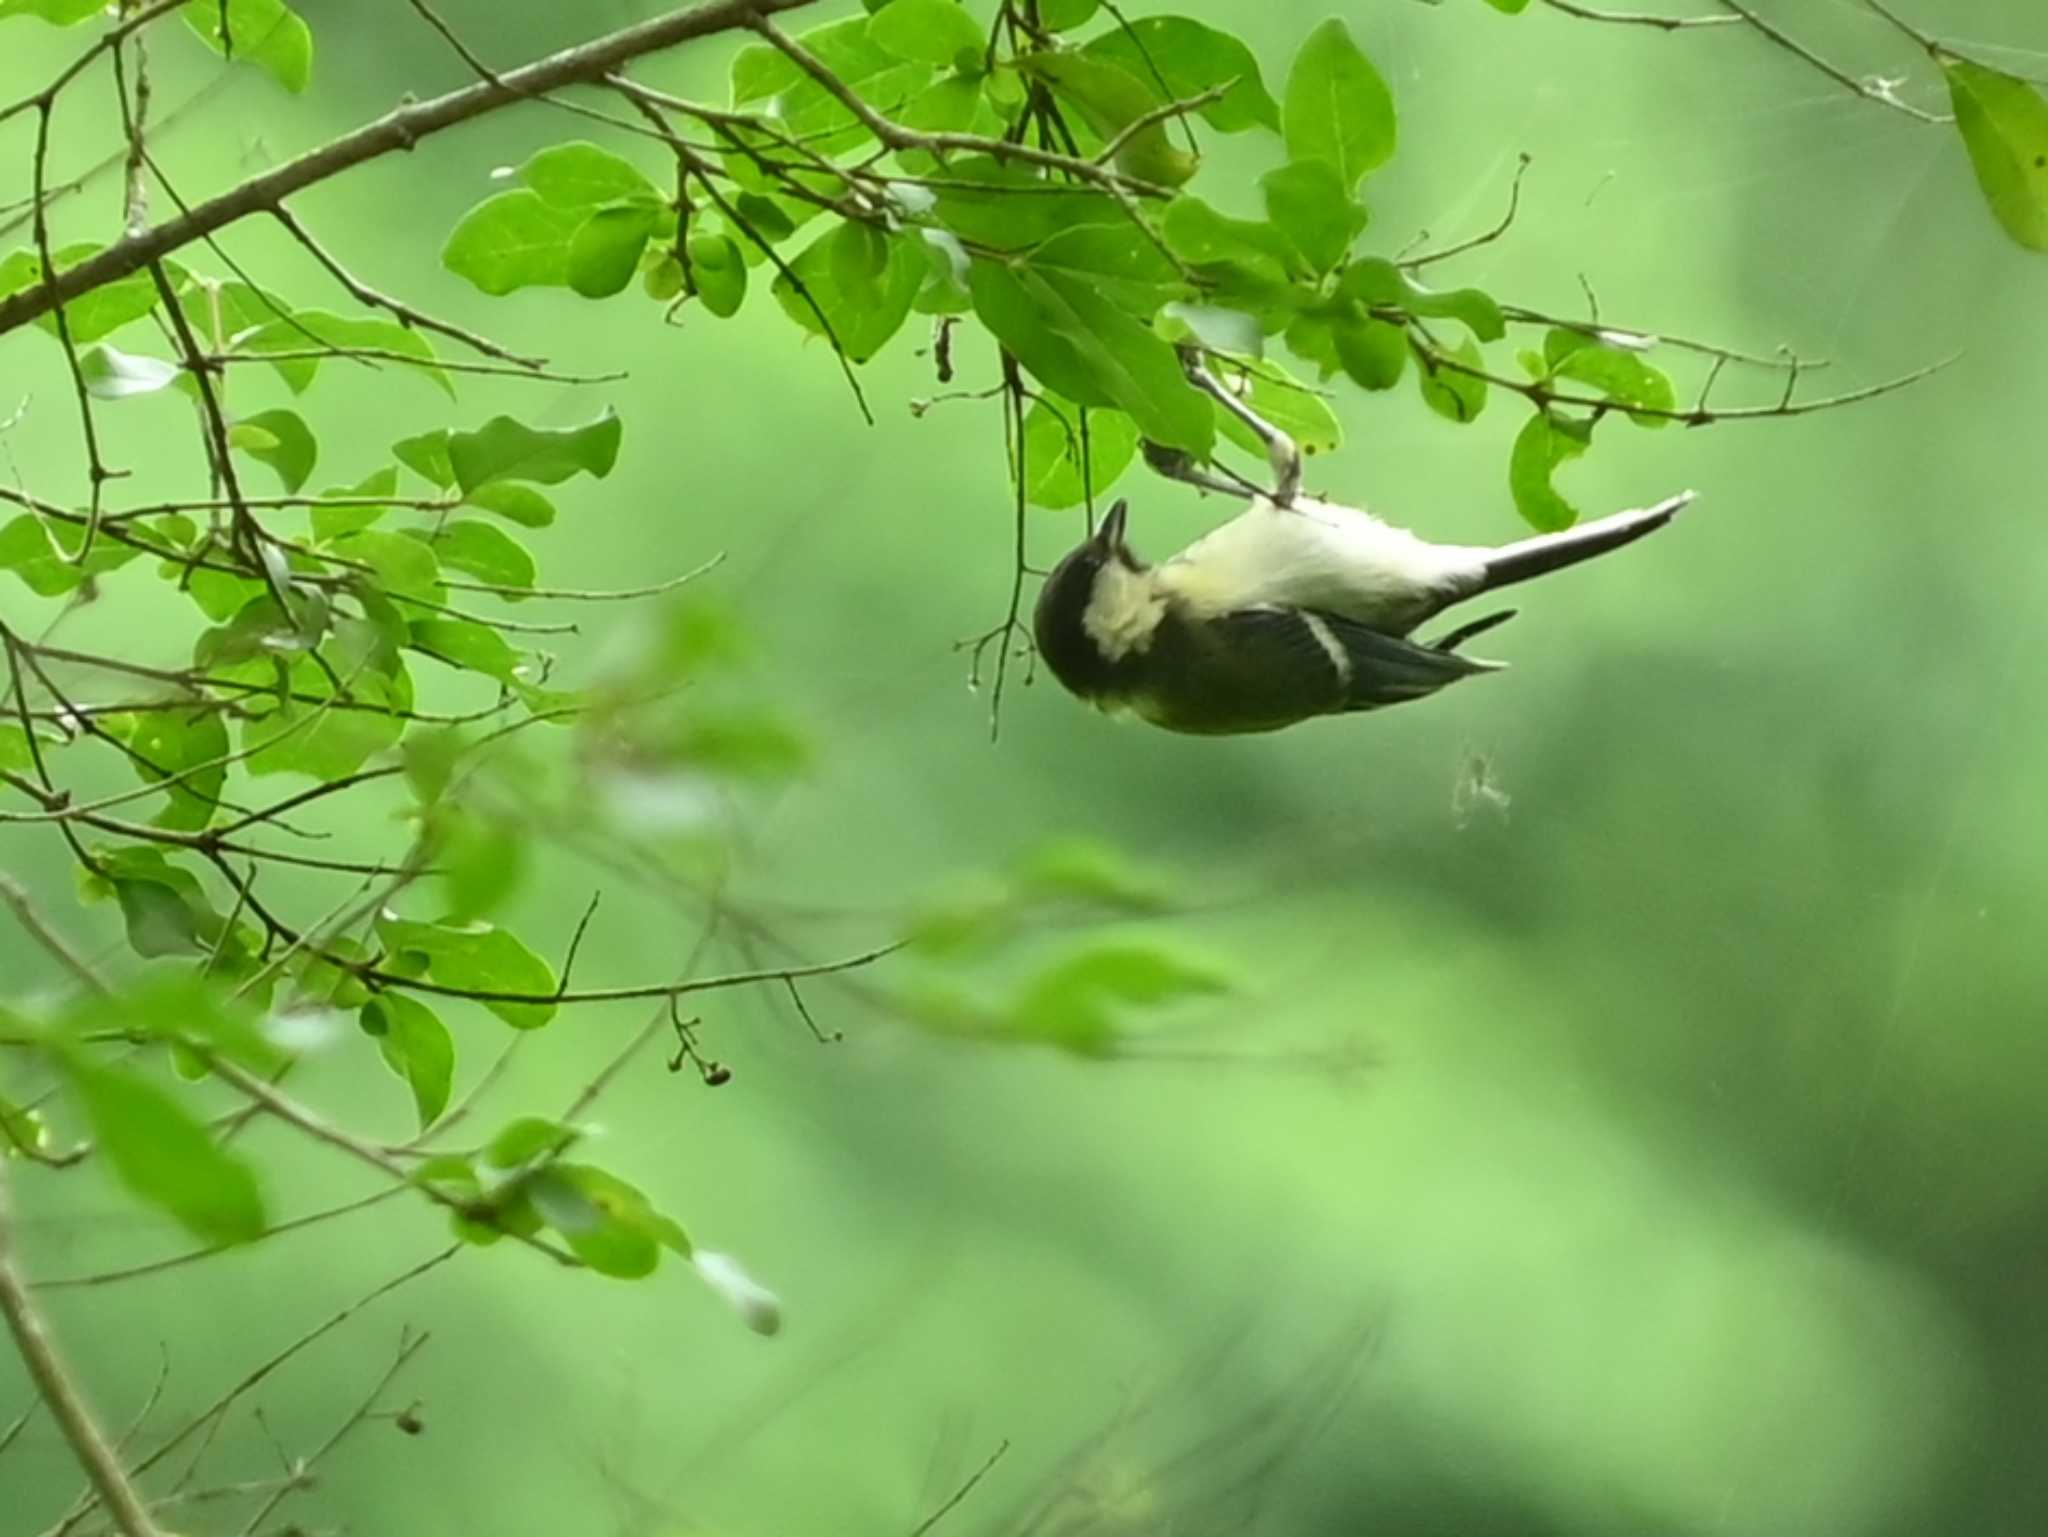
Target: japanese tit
x,y
1293,609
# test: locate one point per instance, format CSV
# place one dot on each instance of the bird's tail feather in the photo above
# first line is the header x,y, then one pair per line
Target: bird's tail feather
x,y
1551,552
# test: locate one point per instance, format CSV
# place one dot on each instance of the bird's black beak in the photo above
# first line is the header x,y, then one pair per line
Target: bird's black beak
x,y
1110,536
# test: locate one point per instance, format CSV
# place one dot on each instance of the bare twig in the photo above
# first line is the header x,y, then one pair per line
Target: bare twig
x,y
60,1391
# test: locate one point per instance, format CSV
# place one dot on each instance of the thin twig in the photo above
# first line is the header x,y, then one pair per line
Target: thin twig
x,y
60,1390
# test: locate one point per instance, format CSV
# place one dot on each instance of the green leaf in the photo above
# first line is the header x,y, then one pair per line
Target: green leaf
x,y
477,957
1310,203
1617,373
809,112
513,502
416,1046
23,1132
183,1008
16,755
1183,58
483,550
2004,124
764,216
468,645
1216,329
1545,443
934,31
861,308
719,271
1053,458
317,734
113,375
1116,260
1084,870
481,862
1509,7
503,449
1293,407
58,13
607,1223
1374,352
1070,1005
308,330
280,439
176,742
427,457
1446,391
1372,280
604,253
267,33
1093,352
1338,109
1197,233
1008,207
165,909
91,315
403,566
331,522
163,1154
36,552
528,1140
1065,15
1112,99
581,176
513,240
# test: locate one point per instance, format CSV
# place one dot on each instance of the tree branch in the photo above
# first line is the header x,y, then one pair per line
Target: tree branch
x,y
397,130
39,1353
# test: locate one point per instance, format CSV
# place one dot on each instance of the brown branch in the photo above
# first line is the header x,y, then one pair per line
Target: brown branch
x,y
401,129
1639,19
58,1389
1866,89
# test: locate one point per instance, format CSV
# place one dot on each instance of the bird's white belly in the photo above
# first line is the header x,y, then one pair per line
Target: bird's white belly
x,y
1319,555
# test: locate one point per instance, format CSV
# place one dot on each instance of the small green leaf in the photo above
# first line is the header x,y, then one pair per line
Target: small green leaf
x,y
719,271
280,439
267,33
416,1046
23,1132
513,502
607,1223
503,449
1183,58
513,240
478,957
1338,109
1115,260
1509,7
58,13
403,566
1070,1004
934,31
309,330
581,176
604,253
44,555
528,1140
329,522
2004,124
1372,280
1309,202
164,1154
1374,352
1113,100
1065,15
1008,207
1545,443
1617,373
483,550
1300,412
1215,329
113,375
1083,870
859,309
188,747
1054,431
481,862
91,315
427,457
1448,392
466,644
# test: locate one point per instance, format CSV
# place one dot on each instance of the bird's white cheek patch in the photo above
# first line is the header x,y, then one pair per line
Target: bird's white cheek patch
x,y
1123,611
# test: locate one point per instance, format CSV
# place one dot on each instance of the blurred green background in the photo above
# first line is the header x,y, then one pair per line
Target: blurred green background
x,y
1659,1151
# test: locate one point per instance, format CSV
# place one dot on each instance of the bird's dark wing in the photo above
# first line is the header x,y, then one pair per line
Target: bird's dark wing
x,y
1258,669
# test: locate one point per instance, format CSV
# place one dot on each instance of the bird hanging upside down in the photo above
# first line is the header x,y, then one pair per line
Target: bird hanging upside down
x,y
1295,608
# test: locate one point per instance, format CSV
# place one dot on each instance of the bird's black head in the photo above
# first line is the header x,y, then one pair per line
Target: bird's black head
x,y
1060,622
